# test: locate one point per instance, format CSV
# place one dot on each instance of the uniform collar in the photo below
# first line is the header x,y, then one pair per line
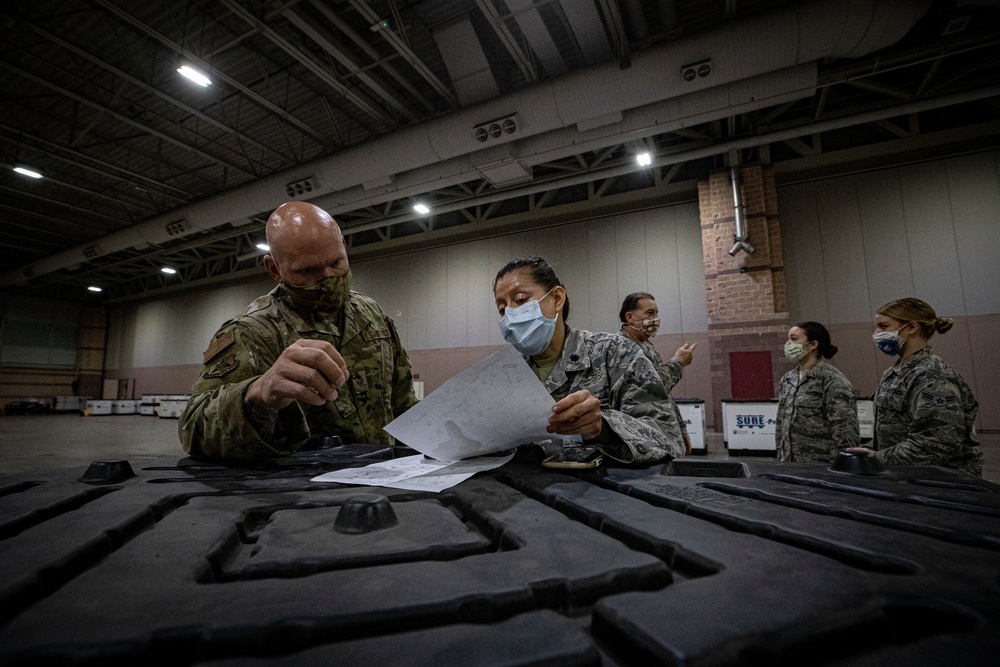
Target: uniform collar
x,y
574,358
902,365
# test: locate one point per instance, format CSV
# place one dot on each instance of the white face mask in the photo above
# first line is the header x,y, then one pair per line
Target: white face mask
x,y
794,352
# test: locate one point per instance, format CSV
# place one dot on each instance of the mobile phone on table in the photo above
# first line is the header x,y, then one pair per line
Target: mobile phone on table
x,y
575,458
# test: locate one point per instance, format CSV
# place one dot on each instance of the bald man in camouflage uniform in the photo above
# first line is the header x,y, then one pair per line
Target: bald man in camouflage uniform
x,y
925,415
309,359
817,415
643,426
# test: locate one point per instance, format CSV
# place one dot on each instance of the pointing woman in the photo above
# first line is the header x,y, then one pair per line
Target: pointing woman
x,y
606,391
924,410
817,411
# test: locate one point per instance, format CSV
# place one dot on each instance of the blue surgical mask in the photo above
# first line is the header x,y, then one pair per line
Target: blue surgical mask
x,y
889,342
527,328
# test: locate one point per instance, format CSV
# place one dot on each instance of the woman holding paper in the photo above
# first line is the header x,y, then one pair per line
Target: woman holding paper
x,y
606,391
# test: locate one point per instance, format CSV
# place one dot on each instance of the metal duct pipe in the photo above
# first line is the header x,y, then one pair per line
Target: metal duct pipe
x,y
741,235
796,33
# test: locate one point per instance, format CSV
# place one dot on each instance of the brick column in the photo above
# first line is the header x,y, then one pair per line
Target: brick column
x,y
747,302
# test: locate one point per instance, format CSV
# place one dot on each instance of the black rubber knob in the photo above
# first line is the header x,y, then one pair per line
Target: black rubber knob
x,y
364,513
107,472
857,461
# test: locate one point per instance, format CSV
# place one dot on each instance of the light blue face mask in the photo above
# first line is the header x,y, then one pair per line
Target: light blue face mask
x,y
527,328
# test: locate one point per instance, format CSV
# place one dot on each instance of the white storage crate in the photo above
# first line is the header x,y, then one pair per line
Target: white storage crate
x,y
70,403
171,408
124,407
99,407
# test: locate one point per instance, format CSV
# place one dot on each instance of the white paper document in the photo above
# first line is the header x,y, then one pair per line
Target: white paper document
x,y
416,473
492,406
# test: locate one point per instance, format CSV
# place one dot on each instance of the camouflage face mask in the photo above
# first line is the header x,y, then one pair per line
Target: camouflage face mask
x,y
328,295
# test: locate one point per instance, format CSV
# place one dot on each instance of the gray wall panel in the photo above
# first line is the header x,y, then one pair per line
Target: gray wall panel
x,y
841,243
883,234
974,188
481,303
693,310
930,236
576,274
803,253
499,252
435,269
457,292
661,258
603,278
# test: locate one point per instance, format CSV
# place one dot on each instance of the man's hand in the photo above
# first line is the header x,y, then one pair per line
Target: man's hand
x,y
687,445
685,353
577,414
310,371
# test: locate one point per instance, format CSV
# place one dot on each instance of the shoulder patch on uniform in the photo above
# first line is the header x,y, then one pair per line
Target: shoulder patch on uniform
x,y
936,400
373,334
218,344
221,367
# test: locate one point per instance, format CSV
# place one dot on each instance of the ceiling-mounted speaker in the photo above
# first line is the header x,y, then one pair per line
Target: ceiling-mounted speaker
x,y
495,129
299,188
698,70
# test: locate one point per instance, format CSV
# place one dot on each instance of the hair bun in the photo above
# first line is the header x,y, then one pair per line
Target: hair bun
x,y
830,351
943,324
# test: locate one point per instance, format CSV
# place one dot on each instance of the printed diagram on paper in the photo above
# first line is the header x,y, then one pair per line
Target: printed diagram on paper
x,y
495,405
416,473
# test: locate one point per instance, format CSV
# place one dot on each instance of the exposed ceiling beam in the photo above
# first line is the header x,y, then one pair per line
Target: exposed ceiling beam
x,y
180,143
217,74
521,59
126,175
616,26
404,50
304,59
161,95
370,51
326,42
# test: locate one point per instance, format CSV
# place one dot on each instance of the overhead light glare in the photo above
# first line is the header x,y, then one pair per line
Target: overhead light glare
x,y
421,209
194,75
168,270
264,247
644,159
28,171
94,288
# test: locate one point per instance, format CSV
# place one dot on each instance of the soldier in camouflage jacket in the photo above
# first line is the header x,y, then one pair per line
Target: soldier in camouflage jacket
x,y
640,318
817,414
380,387
925,415
311,358
633,399
606,391
924,411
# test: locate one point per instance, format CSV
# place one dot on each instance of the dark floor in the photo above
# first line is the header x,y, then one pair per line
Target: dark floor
x,y
49,442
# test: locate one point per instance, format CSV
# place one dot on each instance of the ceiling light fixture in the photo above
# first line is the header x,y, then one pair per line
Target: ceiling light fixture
x,y
422,209
94,288
194,75
264,247
27,171
168,270
644,159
